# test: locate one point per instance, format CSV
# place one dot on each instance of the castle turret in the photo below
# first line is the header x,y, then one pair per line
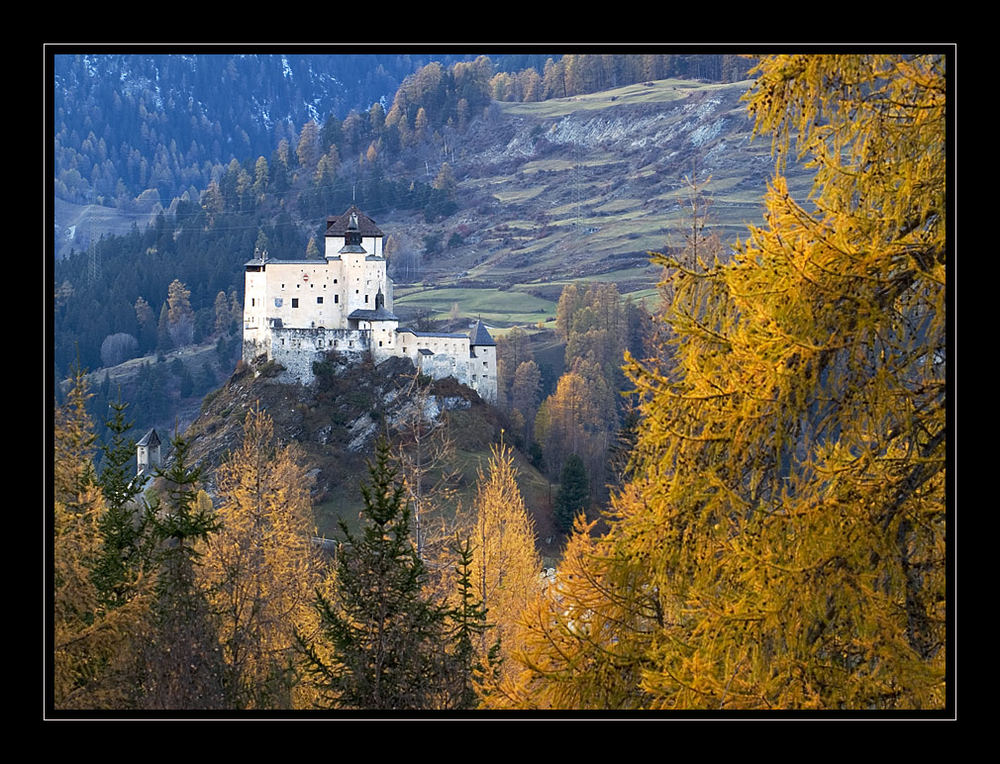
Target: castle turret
x,y
483,362
147,453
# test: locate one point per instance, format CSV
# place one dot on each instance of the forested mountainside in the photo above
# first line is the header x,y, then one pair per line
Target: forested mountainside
x,y
459,170
495,190
133,131
127,124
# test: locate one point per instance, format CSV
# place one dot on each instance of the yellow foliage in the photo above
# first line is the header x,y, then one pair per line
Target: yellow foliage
x,y
582,637
261,568
506,568
786,515
90,645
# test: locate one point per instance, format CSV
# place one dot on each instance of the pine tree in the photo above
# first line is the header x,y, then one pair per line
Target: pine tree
x,y
125,551
574,493
380,640
466,627
181,660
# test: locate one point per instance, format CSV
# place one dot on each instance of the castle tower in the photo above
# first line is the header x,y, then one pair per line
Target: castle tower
x,y
483,362
147,453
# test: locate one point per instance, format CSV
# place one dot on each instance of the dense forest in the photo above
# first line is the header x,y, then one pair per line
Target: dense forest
x,y
776,539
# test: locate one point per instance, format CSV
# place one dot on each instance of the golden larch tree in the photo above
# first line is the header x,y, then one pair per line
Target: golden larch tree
x,y
506,568
782,540
261,568
90,643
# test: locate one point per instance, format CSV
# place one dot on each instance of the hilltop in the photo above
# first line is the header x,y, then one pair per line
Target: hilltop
x,y
335,423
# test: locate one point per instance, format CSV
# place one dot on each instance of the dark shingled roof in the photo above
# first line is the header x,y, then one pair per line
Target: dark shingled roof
x,y
337,226
440,335
379,314
149,439
480,336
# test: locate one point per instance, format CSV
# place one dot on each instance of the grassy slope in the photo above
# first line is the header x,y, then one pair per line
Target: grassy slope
x,y
594,200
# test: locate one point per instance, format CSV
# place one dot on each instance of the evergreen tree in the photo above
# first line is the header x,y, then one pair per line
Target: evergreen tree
x,y
467,625
181,660
380,640
164,340
123,528
223,318
574,493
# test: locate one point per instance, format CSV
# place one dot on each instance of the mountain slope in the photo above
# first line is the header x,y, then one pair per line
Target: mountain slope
x,y
582,188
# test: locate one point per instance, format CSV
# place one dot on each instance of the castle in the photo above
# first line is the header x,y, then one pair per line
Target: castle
x,y
295,311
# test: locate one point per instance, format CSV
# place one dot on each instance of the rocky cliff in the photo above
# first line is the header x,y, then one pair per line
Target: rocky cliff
x,y
336,420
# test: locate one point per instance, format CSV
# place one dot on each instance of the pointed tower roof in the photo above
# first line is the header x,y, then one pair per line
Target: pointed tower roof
x,y
149,439
480,335
353,220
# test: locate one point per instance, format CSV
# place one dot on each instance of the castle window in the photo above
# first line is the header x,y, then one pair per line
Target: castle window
x,y
295,302
366,298
319,300
278,302
336,298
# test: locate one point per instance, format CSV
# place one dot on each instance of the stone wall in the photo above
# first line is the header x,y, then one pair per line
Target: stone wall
x,y
297,349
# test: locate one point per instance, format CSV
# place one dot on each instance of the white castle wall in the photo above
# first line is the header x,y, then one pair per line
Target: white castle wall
x,y
483,372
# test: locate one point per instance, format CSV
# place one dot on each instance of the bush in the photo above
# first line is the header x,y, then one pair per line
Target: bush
x,y
118,348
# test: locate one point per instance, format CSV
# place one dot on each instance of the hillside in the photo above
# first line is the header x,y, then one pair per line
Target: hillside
x,y
336,421
578,189
538,193
545,193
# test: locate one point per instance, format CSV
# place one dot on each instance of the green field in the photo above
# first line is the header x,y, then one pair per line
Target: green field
x,y
494,306
659,91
